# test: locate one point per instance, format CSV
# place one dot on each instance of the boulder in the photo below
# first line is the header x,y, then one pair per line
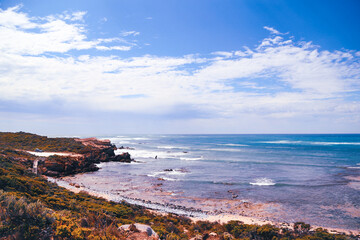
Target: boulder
x,y
141,228
124,157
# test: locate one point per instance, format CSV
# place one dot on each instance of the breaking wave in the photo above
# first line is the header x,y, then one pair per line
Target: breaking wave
x,y
263,182
311,143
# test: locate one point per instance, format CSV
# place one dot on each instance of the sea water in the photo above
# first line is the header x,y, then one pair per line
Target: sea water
x,y
312,178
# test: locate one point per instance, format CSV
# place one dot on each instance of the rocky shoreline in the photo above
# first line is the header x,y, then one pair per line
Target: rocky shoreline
x,y
194,213
95,151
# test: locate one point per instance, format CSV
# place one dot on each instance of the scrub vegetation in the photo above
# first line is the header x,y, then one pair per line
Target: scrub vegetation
x,y
33,208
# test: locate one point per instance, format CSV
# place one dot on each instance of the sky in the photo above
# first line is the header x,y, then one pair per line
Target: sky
x,y
179,67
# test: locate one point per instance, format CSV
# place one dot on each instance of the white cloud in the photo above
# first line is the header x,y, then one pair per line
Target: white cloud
x,y
120,48
61,33
13,19
278,79
272,30
130,33
224,54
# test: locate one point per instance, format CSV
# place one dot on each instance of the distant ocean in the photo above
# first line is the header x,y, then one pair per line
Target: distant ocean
x,y
311,178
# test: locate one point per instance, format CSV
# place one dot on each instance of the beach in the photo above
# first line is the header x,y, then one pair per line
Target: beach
x,y
225,178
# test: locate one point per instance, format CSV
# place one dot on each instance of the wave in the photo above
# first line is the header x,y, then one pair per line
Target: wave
x,y
233,145
165,174
224,149
136,153
171,147
127,140
353,167
311,143
263,182
161,175
191,159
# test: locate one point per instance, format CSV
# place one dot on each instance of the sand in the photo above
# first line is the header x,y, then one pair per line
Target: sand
x,y
47,154
257,210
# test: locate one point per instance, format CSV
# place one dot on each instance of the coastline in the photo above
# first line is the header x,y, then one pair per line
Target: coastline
x,y
135,198
192,213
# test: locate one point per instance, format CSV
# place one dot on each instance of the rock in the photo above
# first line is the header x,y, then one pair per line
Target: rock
x,y
142,228
124,157
96,151
168,170
54,166
133,228
52,173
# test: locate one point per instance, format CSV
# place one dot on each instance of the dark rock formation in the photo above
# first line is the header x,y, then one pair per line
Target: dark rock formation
x,y
95,151
124,157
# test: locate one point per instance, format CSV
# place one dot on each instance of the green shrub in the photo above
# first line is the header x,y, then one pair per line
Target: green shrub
x,y
26,220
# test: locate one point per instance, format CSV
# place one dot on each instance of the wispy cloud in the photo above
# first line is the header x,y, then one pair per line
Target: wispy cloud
x,y
272,30
130,33
60,33
280,78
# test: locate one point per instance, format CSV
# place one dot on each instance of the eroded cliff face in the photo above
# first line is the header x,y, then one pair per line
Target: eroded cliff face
x,y
95,151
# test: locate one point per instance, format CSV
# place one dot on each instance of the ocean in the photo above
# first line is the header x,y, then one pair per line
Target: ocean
x,y
285,178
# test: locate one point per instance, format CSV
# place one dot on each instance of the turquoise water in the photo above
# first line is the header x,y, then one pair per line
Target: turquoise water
x,y
314,177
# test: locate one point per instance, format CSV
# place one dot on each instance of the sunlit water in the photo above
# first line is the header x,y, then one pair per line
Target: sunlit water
x,y
315,178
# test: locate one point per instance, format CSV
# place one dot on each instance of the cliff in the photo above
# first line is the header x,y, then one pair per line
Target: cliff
x,y
77,155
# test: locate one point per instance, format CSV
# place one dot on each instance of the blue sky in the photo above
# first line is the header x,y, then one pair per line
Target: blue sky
x,y
108,67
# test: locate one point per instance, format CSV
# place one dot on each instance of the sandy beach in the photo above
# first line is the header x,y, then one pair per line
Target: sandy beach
x,y
201,209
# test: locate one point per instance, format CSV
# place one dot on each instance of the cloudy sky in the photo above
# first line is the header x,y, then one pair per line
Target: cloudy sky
x,y
208,66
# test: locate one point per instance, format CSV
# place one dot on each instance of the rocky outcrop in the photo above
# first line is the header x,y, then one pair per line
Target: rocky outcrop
x,y
95,151
56,166
124,157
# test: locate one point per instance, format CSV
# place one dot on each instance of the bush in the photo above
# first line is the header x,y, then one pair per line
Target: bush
x,y
26,220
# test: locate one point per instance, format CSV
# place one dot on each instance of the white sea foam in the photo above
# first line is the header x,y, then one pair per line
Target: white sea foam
x,y
176,172
234,145
283,142
311,143
161,175
141,153
171,147
336,143
118,140
127,140
263,182
169,179
191,158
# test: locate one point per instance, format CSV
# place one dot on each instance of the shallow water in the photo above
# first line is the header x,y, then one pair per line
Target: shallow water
x,y
312,178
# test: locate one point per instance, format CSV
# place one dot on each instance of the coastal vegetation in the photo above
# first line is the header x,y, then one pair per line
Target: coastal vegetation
x,y
29,141
33,208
